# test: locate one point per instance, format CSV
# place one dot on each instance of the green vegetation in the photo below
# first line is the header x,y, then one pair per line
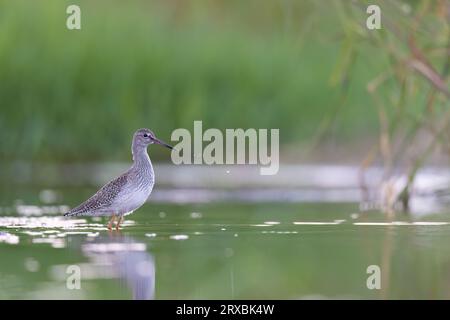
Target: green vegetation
x,y
79,95
302,66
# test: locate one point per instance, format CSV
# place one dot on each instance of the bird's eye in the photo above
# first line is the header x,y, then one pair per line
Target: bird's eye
x,y
145,135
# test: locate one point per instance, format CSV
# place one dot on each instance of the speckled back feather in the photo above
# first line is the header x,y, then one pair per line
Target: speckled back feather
x,y
102,199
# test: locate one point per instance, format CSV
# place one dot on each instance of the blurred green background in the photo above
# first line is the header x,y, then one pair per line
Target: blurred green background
x,y
80,94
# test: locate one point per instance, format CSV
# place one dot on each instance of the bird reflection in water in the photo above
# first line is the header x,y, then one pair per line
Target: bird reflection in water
x,y
126,259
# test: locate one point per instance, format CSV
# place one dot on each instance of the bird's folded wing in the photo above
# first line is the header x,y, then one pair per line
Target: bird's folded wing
x,y
103,198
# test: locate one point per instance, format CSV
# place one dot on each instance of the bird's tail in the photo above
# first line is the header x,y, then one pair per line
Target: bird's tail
x,y
71,213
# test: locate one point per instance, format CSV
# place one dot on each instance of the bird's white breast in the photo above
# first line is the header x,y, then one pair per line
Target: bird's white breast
x,y
132,198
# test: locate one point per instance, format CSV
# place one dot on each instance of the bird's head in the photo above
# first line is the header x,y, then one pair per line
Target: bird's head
x,y
144,137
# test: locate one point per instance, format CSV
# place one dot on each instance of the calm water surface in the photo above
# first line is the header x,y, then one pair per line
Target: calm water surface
x,y
223,250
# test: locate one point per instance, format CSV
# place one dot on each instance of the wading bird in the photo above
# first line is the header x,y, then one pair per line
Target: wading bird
x,y
129,191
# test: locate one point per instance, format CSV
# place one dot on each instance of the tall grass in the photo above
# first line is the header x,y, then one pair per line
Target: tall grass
x,y
79,95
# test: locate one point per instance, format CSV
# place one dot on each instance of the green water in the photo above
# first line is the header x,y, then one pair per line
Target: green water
x,y
226,251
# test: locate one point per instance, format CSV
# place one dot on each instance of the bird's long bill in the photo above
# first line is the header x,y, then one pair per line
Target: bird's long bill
x,y
162,143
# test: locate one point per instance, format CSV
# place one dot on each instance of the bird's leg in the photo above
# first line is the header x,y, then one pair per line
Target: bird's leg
x,y
119,221
111,222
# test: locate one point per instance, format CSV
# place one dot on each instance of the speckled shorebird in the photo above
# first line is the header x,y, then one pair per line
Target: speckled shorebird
x,y
129,191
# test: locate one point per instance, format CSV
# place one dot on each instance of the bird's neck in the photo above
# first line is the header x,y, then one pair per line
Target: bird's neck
x,y
140,157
